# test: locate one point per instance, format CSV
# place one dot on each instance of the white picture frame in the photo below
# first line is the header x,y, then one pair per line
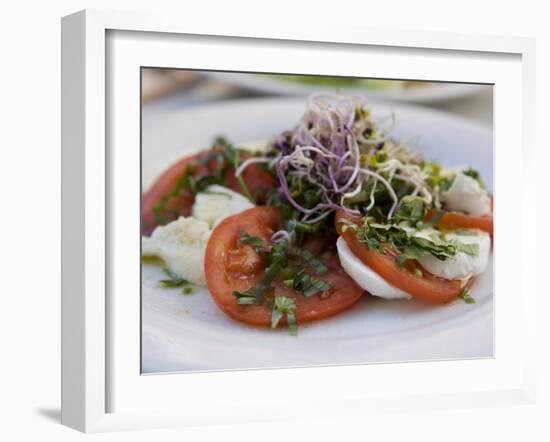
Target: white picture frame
x,y
89,363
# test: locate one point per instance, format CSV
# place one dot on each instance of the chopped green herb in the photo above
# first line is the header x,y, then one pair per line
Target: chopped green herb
x,y
257,243
315,286
217,161
188,290
277,259
284,306
288,283
307,284
308,257
466,295
244,298
412,209
173,281
472,173
399,238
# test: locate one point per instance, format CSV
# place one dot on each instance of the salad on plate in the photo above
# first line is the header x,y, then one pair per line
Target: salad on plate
x,y
300,227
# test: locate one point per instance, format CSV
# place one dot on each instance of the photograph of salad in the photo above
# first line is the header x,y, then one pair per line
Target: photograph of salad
x,y
300,227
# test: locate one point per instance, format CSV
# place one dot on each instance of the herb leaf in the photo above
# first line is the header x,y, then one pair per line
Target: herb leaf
x,y
315,263
188,290
315,286
412,209
472,173
466,295
257,243
284,306
305,283
244,298
277,259
173,281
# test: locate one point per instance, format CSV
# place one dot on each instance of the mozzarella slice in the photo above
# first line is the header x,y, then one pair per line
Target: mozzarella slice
x,y
466,195
462,265
181,245
217,203
364,276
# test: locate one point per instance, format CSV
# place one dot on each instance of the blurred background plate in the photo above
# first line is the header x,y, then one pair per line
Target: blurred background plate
x,y
303,85
189,333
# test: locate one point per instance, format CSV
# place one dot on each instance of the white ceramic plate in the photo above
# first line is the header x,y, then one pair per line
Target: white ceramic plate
x,y
189,333
422,92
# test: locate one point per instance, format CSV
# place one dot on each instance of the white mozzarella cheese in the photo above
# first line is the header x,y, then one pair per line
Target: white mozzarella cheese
x,y
217,203
462,265
181,245
364,276
466,195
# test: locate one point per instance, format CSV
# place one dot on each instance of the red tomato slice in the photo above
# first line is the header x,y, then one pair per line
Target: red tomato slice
x,y
258,181
164,185
427,287
230,266
458,220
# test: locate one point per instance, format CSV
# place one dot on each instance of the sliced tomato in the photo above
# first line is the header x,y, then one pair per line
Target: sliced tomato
x,y
457,220
427,287
230,266
258,181
164,185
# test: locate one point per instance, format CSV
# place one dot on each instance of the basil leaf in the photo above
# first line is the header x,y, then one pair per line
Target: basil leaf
x,y
466,295
317,265
284,306
244,298
173,281
309,285
411,209
257,243
188,290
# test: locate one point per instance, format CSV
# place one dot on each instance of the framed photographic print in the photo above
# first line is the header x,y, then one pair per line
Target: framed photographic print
x,y
284,221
